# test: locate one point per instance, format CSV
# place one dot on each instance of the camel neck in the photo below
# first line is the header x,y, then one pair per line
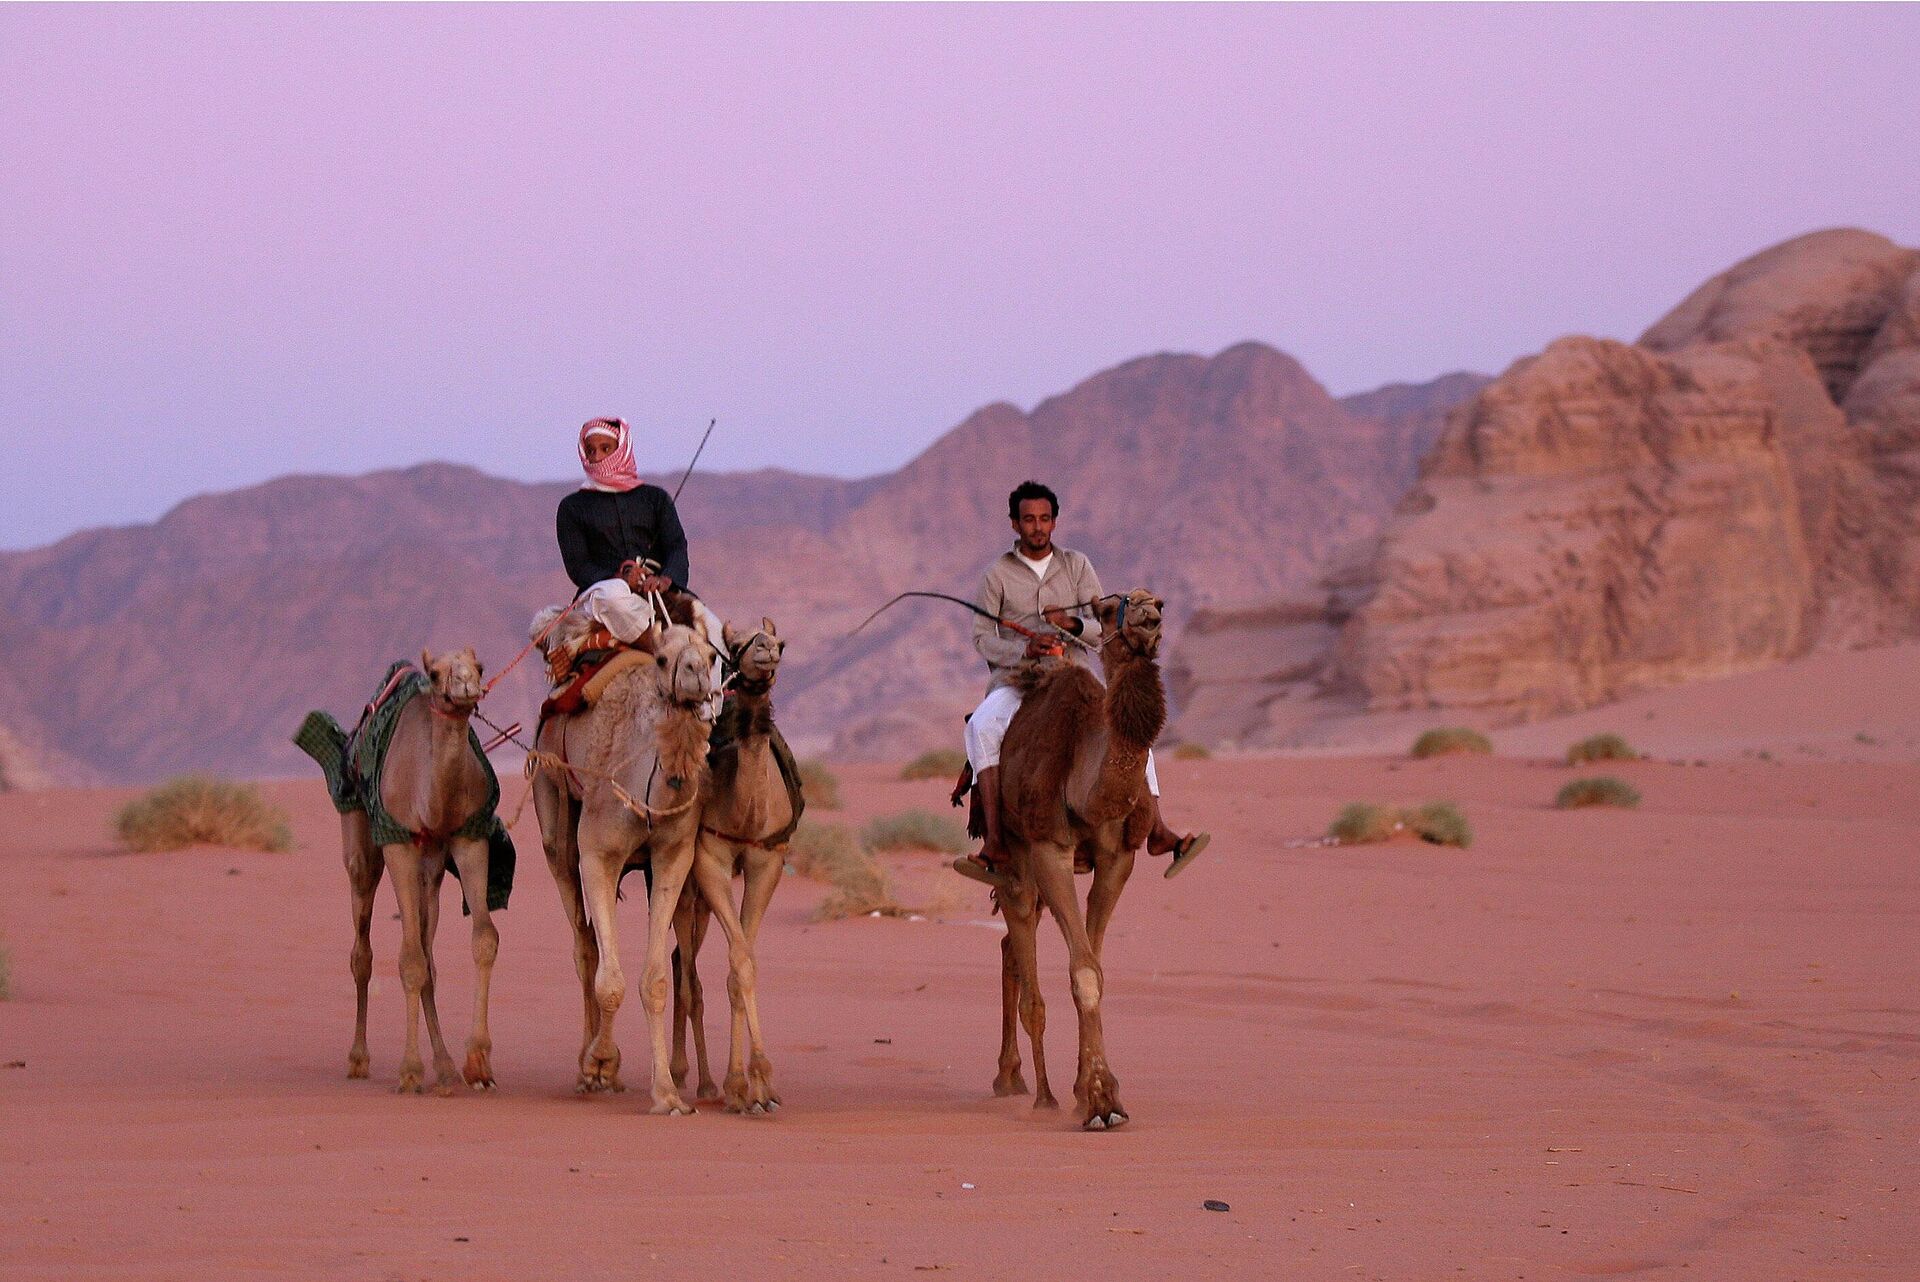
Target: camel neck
x,y
1136,702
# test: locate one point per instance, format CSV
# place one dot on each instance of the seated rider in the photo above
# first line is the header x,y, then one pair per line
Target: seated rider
x,y
1038,585
621,540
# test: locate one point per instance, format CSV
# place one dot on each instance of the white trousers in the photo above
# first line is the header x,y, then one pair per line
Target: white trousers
x,y
988,726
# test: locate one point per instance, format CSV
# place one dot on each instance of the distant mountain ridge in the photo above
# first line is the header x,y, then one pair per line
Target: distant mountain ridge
x,y
207,633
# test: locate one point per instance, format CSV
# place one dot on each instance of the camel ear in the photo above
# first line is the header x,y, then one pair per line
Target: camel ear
x,y
729,638
1107,610
766,626
426,661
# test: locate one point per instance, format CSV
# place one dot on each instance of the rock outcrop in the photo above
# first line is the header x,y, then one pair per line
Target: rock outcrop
x,y
1735,489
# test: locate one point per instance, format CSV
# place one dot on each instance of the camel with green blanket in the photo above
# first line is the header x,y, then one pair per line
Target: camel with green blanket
x,y
414,791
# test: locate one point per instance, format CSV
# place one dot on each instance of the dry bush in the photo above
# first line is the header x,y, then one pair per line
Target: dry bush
x,y
1441,823
829,853
1601,747
1448,740
819,785
1361,821
1191,752
1602,790
199,810
917,830
940,763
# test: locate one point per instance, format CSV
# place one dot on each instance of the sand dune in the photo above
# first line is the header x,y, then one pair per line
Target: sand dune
x,y
1678,1042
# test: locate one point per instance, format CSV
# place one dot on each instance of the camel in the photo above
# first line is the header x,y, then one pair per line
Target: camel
x,y
432,784
638,758
1074,761
744,825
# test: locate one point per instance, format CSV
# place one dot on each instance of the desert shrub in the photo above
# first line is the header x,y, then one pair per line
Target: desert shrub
x,y
1602,790
1601,747
819,785
939,763
830,853
199,810
1448,740
916,830
1191,752
1361,821
1441,823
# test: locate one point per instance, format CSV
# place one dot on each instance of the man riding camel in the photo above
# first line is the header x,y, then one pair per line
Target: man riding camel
x,y
621,542
1036,583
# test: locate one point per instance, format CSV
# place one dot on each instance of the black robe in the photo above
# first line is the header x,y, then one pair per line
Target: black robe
x,y
598,530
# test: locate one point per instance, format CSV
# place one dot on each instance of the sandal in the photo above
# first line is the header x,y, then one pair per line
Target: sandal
x,y
1187,850
977,869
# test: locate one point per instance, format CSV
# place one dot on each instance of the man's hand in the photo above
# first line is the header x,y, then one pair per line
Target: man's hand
x,y
655,583
1062,620
1040,647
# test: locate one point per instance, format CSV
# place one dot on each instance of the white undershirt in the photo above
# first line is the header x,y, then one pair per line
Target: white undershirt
x,y
1039,567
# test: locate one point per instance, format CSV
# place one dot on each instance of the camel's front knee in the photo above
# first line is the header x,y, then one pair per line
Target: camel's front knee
x,y
655,988
742,973
610,988
415,973
486,944
1086,987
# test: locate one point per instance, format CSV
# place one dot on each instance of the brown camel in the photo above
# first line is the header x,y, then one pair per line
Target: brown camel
x,y
744,825
638,761
1074,761
431,784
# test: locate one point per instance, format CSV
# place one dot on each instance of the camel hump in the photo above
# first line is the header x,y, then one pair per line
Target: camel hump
x,y
1035,675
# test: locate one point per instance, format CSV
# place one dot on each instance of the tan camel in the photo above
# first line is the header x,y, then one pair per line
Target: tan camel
x,y
744,824
1074,761
641,753
431,784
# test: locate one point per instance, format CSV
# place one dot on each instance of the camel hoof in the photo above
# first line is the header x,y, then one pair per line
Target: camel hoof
x,y
1095,1124
1045,1101
478,1072
357,1066
773,1104
1005,1086
410,1084
708,1092
1105,1122
672,1106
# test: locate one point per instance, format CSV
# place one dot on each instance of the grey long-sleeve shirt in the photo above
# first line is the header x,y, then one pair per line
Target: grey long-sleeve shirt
x,y
1010,590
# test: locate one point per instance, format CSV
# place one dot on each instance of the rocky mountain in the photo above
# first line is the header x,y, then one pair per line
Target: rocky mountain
x,y
1736,488
196,642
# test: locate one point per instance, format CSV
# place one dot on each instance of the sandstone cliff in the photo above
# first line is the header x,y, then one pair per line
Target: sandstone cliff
x,y
1735,489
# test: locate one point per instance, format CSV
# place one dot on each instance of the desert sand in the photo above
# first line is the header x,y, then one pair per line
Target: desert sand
x,y
1676,1042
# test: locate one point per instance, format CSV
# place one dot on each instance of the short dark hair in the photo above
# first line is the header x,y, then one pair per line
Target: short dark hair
x,y
1031,490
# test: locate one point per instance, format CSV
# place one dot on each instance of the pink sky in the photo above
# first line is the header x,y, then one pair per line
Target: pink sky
x,y
241,241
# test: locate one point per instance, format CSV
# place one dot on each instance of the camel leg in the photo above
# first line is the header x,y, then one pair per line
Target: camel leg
x,y
689,999
671,864
559,816
1109,879
713,870
599,877
1021,908
1095,1086
697,1004
761,877
471,858
405,860
1009,1081
433,872
365,864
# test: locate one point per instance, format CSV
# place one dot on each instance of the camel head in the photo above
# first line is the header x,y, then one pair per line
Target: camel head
x,y
756,655
455,678
1132,621
685,666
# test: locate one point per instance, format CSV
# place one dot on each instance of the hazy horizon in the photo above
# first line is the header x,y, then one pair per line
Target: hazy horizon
x,y
252,240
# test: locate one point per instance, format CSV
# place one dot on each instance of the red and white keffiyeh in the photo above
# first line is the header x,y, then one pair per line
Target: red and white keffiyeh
x,y
615,473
